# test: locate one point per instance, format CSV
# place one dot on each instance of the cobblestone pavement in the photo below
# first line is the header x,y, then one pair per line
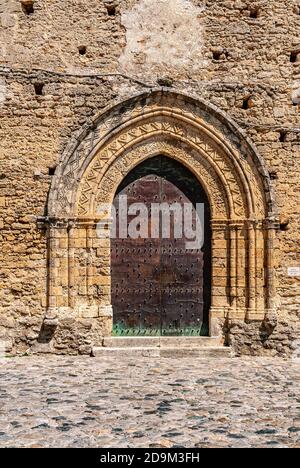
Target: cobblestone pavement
x,y
85,402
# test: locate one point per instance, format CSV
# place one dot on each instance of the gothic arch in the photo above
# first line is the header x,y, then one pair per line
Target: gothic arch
x,y
212,180
218,153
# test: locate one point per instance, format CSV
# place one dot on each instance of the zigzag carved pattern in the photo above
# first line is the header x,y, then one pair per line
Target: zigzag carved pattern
x,y
223,163
115,174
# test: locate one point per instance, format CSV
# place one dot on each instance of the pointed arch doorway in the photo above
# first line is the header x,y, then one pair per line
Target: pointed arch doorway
x,y
161,281
244,216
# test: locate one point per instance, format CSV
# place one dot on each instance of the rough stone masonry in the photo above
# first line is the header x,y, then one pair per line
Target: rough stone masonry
x,y
230,69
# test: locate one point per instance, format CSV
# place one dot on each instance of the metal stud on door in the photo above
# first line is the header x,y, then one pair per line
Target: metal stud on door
x,y
137,305
157,283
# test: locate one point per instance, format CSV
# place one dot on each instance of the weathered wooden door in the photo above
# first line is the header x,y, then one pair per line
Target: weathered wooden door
x,y
159,286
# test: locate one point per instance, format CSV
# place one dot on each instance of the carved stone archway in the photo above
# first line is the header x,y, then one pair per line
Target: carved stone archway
x,y
228,167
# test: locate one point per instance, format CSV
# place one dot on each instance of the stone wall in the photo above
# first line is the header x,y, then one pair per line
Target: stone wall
x,y
61,62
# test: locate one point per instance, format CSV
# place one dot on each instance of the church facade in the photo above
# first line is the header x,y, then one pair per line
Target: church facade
x,y
177,101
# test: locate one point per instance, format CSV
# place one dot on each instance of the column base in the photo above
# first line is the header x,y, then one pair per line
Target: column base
x,y
219,316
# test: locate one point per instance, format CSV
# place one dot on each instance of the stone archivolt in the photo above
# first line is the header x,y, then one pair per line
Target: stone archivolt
x,y
211,179
233,175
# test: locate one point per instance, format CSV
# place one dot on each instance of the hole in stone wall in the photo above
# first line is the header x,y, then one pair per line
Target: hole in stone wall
x,y
39,89
28,7
247,103
297,9
295,56
254,13
284,224
273,174
82,50
111,10
282,136
51,171
217,55
220,54
2,176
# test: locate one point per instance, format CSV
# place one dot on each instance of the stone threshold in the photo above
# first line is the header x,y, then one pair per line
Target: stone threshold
x,y
176,347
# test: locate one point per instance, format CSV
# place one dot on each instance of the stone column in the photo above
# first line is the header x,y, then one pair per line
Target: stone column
x,y
96,302
52,272
237,257
260,256
251,266
270,274
71,275
58,270
241,282
233,266
220,276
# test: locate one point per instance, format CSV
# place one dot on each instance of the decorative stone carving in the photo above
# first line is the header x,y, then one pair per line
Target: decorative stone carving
x,y
171,113
226,164
196,163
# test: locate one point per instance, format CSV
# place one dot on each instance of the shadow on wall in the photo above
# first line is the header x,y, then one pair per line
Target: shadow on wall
x,y
47,331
